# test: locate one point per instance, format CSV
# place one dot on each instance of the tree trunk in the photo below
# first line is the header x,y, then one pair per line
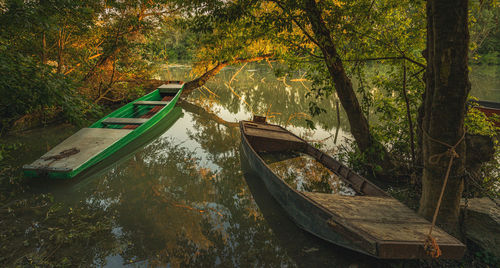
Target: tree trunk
x,y
343,85
44,49
447,87
60,50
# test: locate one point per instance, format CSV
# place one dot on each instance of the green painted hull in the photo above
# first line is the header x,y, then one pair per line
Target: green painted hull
x,y
127,110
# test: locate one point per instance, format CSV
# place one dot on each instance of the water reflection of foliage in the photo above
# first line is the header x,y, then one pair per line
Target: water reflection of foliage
x,y
168,208
281,97
304,173
41,232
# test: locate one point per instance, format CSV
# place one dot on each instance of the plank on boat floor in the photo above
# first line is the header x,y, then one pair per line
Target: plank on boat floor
x,y
89,142
384,218
265,133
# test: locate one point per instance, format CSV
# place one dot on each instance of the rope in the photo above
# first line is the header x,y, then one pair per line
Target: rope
x,y
431,246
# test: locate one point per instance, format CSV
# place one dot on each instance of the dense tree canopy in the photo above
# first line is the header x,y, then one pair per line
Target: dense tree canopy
x,y
68,58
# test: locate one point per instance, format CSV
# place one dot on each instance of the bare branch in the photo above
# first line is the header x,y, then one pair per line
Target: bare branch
x,y
200,81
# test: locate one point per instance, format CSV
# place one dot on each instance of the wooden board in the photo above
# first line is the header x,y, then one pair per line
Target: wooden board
x,y
169,88
249,125
89,141
124,121
155,103
383,218
271,134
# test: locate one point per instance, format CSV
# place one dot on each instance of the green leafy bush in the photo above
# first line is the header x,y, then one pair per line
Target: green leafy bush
x,y
28,87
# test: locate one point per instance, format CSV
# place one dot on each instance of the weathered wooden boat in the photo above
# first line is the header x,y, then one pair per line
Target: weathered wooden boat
x,y
489,108
91,145
370,222
320,253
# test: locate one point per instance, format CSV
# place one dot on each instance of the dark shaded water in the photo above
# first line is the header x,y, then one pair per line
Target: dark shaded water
x,y
184,199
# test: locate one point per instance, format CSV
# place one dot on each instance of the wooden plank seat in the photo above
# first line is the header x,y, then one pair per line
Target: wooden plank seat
x,y
151,112
152,103
124,121
169,88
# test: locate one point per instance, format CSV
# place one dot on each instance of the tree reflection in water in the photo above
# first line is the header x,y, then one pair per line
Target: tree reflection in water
x,y
172,205
303,173
182,200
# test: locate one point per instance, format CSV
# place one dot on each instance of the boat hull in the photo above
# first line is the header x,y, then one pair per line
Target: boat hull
x,y
301,210
341,220
37,170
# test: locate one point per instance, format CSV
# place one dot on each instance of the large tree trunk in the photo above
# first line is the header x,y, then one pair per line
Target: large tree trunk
x,y
447,87
343,85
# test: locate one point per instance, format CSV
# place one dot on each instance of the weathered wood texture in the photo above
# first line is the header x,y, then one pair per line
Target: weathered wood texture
x,y
124,121
169,88
264,138
372,222
385,219
89,141
152,103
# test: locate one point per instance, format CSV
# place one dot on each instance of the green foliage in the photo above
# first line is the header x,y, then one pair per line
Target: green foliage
x,y
489,58
62,55
172,42
28,87
487,258
485,31
390,123
477,122
5,149
355,159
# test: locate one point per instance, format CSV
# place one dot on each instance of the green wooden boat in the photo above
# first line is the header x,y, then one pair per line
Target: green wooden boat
x,y
95,143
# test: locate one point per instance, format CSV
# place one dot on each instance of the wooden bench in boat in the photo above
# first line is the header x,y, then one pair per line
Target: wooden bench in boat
x,y
152,103
264,138
169,88
124,121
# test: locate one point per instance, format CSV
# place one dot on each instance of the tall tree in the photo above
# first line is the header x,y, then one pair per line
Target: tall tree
x,y
322,37
360,129
444,107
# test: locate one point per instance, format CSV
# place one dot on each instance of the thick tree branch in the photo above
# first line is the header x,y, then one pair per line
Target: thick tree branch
x,y
390,58
195,109
200,81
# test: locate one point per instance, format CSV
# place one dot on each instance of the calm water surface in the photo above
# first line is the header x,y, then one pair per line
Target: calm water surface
x,y
183,199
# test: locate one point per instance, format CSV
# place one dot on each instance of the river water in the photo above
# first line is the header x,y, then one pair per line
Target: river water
x,y
181,198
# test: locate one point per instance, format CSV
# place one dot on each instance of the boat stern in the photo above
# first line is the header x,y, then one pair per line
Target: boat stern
x,y
409,250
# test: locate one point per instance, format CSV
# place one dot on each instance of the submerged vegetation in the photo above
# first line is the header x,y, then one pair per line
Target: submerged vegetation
x,y
67,61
